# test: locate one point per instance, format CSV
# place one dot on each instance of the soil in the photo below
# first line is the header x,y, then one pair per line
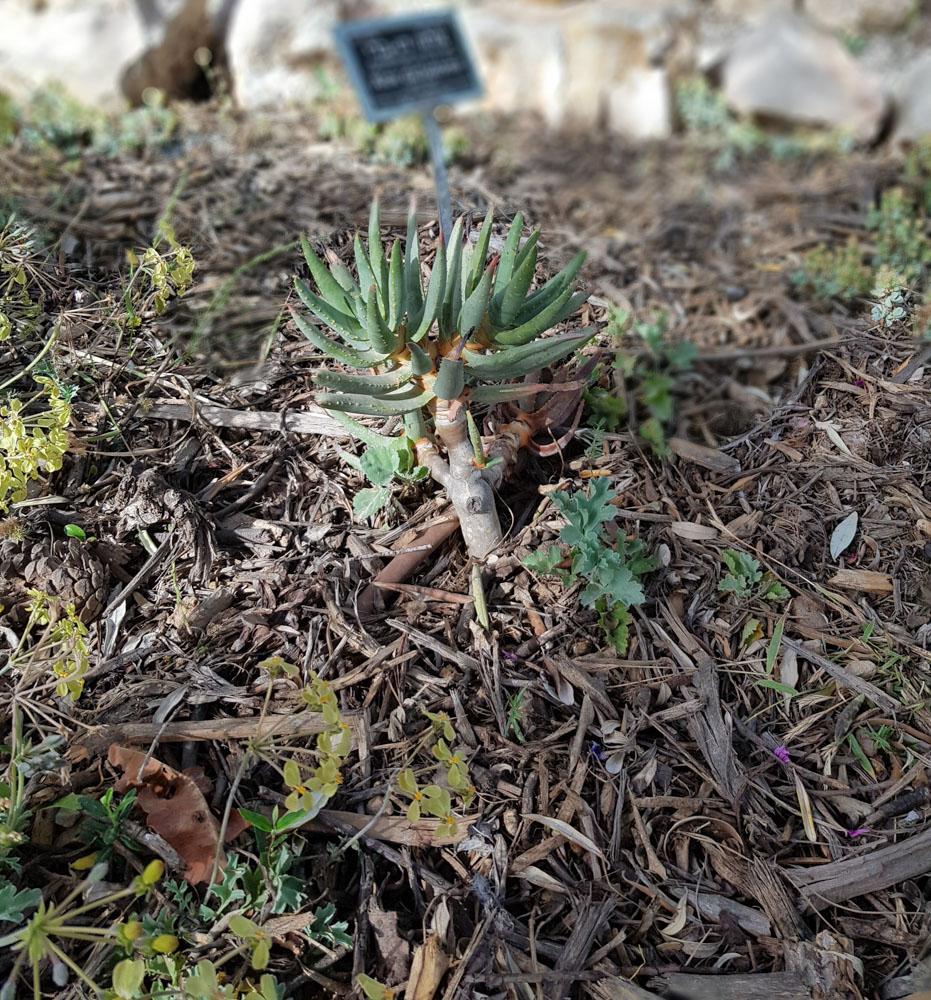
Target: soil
x,y
735,807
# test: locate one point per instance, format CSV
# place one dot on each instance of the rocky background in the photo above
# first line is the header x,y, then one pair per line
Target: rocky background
x,y
863,66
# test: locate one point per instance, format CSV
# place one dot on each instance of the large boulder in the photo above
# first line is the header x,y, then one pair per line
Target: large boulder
x,y
788,69
913,119
102,49
591,63
861,16
596,64
275,50
82,45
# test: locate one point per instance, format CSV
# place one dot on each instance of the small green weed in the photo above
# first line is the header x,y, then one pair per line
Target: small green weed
x,y
20,263
51,122
156,277
710,124
835,274
900,242
610,572
435,799
745,578
652,375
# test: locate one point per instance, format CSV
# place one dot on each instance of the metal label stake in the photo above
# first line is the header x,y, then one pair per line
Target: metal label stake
x,y
407,64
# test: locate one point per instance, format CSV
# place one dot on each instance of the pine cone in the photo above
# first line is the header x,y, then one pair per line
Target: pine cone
x,y
62,568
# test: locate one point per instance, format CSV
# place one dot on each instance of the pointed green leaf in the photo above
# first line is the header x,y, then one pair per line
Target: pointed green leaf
x,y
553,288
450,380
359,310
396,287
382,339
509,254
409,398
421,362
332,348
330,288
474,308
516,293
340,322
481,250
465,270
502,393
533,328
376,253
530,247
376,384
367,276
412,276
366,435
435,295
452,298
516,362
344,278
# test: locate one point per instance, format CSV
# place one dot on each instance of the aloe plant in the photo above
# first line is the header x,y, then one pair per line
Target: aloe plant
x,y
426,351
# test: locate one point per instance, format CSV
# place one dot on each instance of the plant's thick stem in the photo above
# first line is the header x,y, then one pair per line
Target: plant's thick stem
x,y
469,488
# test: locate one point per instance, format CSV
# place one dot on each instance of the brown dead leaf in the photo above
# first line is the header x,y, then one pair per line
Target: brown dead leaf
x,y
175,809
394,950
428,967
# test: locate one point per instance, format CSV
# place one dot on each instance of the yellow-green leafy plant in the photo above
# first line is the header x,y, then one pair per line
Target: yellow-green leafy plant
x,y
37,941
435,799
427,352
32,440
308,793
18,273
169,273
62,648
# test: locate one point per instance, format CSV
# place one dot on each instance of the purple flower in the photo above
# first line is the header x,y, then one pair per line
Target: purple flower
x,y
858,833
780,753
860,384
508,656
595,750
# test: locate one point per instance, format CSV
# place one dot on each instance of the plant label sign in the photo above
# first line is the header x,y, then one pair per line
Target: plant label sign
x,y
414,63
403,64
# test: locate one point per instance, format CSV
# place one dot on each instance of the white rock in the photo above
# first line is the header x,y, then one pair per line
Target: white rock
x,y
913,120
273,49
88,46
641,106
602,63
787,68
861,15
753,8
496,35
82,45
